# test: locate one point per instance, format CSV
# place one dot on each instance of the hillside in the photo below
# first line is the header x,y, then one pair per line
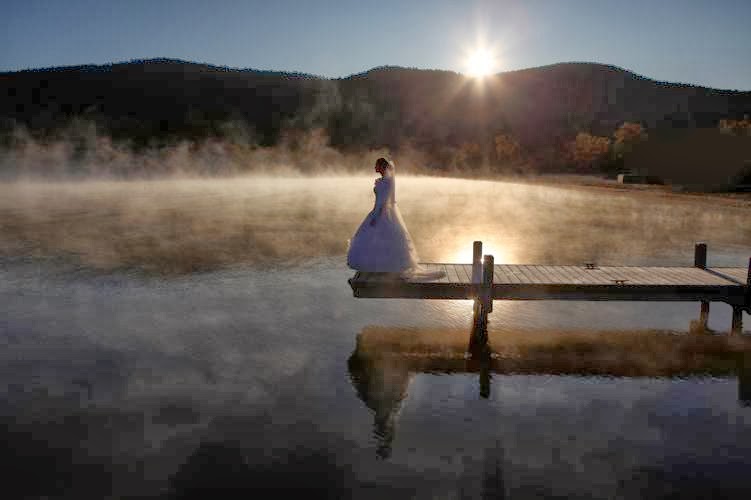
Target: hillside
x,y
434,111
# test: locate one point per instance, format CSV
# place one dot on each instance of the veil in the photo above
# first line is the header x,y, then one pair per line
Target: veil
x,y
418,271
387,248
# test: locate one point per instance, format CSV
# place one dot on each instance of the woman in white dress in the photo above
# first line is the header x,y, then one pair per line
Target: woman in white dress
x,y
382,243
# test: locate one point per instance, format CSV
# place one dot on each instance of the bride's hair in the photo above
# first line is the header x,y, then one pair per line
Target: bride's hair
x,y
384,163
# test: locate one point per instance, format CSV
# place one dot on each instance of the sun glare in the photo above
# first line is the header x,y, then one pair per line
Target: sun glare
x,y
501,254
481,62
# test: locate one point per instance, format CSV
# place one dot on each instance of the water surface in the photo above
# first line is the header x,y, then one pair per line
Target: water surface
x,y
166,338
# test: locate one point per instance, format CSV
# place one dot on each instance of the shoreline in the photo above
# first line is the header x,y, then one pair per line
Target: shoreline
x,y
589,182
739,200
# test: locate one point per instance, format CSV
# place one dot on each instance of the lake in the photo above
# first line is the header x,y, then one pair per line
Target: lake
x,y
168,338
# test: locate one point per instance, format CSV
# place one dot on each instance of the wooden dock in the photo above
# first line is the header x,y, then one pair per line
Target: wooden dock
x,y
484,281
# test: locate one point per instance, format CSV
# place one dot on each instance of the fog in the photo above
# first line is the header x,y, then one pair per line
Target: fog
x,y
81,150
179,226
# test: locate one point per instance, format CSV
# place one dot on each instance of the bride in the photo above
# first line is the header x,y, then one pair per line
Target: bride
x,y
382,243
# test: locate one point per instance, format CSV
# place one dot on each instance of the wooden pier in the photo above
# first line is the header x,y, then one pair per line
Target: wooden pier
x,y
483,281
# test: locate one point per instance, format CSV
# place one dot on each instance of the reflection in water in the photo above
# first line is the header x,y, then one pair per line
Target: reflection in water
x,y
493,485
382,388
385,359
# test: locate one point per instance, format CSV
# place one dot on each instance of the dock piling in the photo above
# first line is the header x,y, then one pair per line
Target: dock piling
x,y
488,268
477,262
704,316
477,320
700,261
737,323
700,255
483,305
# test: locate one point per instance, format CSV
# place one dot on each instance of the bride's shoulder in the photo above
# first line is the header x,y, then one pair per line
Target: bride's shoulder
x,y
384,181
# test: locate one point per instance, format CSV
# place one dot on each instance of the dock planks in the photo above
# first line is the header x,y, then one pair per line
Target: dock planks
x,y
541,282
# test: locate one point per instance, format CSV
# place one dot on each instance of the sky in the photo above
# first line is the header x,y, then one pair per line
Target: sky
x,y
703,42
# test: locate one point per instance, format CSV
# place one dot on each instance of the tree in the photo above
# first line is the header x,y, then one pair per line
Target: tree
x,y
588,150
736,127
629,133
506,148
625,137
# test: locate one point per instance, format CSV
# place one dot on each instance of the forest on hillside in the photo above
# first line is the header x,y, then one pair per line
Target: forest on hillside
x,y
158,117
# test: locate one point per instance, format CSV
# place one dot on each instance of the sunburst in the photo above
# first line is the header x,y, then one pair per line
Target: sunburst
x,y
481,62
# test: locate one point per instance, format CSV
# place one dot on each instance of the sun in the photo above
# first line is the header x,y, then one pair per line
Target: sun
x,y
502,254
481,62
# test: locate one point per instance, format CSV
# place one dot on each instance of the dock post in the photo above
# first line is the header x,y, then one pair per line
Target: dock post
x,y
700,255
477,262
737,323
700,261
476,280
479,338
704,316
488,268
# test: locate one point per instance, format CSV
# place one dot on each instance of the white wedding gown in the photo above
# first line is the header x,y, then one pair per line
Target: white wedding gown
x,y
385,247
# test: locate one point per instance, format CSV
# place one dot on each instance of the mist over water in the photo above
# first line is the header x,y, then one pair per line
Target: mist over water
x,y
167,336
174,226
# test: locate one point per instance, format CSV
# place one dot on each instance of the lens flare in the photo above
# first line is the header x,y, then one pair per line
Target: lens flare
x,y
501,254
481,62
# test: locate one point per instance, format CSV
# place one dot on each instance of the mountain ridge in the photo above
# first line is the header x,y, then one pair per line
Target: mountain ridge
x,y
453,119
230,69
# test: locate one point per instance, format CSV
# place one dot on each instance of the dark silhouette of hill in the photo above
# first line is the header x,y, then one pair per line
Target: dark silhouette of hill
x,y
162,99
141,100
540,104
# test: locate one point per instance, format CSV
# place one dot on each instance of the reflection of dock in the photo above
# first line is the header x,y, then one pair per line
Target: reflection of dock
x,y
385,360
486,282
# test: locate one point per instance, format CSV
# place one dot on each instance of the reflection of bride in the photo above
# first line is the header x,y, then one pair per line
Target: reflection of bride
x,y
382,243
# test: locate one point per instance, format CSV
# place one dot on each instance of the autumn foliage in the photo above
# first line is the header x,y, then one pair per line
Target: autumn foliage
x,y
507,148
587,150
736,127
